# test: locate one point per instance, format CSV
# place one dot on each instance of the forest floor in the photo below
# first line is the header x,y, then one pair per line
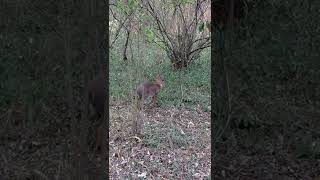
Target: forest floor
x,y
175,144
284,143
42,151
281,142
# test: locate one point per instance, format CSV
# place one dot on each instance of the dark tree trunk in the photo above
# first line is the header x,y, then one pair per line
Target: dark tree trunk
x,y
220,72
125,58
221,88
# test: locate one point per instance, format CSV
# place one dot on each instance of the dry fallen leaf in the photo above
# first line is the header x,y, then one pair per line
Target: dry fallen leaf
x,y
144,174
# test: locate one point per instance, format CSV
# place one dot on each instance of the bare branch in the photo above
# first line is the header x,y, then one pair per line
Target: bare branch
x,y
120,26
181,40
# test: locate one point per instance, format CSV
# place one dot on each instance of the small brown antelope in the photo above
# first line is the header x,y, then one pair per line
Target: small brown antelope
x,y
97,97
148,89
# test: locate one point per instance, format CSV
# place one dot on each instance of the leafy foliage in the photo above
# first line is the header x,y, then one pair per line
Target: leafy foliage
x,y
183,88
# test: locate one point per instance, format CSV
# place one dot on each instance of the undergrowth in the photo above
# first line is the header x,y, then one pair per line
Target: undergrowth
x,y
189,87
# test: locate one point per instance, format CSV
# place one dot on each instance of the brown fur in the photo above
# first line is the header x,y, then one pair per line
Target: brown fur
x,y
97,97
148,89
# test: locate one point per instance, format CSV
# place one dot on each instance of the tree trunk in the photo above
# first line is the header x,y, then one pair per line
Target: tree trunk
x,y
101,46
221,76
125,58
221,87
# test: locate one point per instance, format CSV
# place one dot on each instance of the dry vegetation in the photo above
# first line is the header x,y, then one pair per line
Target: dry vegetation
x,y
175,144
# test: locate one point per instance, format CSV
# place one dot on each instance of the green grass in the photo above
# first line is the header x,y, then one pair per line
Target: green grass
x,y
186,88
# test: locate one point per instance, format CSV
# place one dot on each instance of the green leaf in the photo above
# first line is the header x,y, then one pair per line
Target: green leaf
x,y
208,24
132,4
185,2
201,27
149,34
